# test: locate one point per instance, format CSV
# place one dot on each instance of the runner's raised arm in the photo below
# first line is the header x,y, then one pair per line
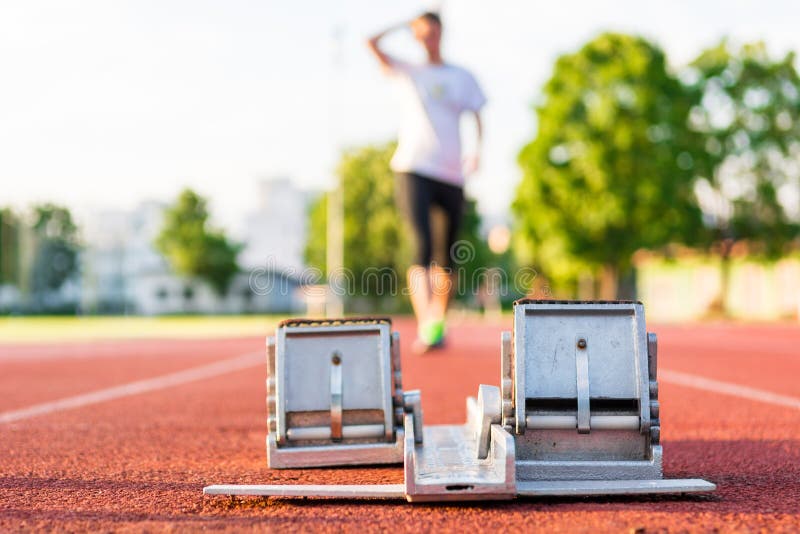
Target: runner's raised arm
x,y
374,44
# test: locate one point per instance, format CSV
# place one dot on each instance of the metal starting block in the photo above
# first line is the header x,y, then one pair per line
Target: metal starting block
x,y
334,394
576,412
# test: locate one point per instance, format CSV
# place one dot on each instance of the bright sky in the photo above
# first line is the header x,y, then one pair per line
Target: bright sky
x,y
104,103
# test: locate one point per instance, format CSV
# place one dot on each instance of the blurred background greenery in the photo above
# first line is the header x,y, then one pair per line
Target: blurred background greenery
x,y
635,167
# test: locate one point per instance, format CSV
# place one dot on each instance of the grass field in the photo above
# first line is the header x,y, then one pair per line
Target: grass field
x,y
51,329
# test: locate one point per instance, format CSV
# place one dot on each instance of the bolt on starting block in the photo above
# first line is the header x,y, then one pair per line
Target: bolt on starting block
x,y
576,412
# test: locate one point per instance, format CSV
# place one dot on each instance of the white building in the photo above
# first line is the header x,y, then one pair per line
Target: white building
x,y
275,232
123,272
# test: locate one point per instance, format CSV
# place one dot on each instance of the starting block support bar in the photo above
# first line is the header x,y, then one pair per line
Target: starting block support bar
x,y
584,488
541,488
349,491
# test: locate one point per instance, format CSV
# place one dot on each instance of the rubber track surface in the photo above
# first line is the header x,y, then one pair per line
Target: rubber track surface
x,y
140,462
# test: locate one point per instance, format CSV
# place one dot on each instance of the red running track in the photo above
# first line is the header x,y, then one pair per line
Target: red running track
x,y
139,462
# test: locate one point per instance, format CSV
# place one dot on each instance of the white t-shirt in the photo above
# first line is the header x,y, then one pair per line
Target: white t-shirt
x,y
433,98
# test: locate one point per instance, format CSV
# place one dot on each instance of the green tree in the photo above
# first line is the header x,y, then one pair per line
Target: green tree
x,y
9,247
747,108
317,239
471,255
609,171
374,238
192,247
56,248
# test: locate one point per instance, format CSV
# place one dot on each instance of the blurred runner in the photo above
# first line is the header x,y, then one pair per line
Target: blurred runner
x,y
429,166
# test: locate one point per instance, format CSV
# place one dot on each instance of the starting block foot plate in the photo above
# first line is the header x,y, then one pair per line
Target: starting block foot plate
x,y
584,488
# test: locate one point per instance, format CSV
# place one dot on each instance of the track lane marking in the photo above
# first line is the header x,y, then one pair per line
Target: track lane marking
x,y
102,349
254,359
727,388
243,361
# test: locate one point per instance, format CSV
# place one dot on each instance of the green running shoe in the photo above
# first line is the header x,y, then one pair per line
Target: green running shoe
x,y
431,333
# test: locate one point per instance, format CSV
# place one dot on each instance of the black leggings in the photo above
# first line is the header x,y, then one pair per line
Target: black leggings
x,y
415,195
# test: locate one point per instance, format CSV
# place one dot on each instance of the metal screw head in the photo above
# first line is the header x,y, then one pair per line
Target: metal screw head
x,y
336,359
581,343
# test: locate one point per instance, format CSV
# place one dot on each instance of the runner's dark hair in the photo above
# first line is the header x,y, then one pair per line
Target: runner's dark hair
x,y
430,16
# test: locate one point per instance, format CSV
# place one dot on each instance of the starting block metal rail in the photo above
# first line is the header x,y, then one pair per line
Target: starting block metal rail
x,y
576,412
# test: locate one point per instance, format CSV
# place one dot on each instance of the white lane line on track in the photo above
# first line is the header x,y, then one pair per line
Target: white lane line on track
x,y
727,388
102,349
254,359
243,361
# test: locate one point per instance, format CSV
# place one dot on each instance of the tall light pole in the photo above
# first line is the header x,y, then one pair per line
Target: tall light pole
x,y
334,256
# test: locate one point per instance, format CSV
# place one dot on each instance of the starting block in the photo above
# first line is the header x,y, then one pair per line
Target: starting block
x,y
334,394
576,412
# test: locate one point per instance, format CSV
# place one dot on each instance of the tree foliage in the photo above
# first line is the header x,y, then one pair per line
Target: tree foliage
x,y
473,261
56,248
373,231
609,171
10,229
747,108
192,247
